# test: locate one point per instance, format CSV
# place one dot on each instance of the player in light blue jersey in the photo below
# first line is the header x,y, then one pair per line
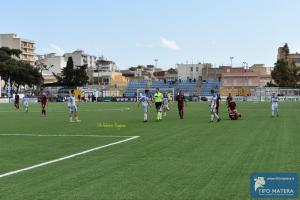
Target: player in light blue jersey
x,y
73,108
144,100
25,101
213,107
274,101
165,104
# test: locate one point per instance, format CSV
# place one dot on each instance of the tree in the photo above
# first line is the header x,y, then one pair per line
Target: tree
x,y
18,72
73,76
80,76
285,75
286,50
41,66
172,71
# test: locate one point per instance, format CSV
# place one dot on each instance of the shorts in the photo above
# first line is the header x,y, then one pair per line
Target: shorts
x,y
73,109
213,110
166,106
158,105
274,107
145,108
180,106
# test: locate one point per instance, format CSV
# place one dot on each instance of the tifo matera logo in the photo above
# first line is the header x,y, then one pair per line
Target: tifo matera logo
x,y
259,183
274,185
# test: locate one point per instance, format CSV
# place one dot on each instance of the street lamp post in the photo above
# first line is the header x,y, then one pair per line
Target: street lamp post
x,y
231,58
246,85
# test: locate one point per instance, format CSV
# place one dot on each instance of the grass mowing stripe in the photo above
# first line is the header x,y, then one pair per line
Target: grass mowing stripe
x,y
67,157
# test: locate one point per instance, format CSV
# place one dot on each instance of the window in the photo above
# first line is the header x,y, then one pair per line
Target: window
x,y
191,69
234,82
197,69
296,60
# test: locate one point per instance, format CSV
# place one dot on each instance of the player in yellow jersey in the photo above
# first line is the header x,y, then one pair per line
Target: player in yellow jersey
x,y
158,99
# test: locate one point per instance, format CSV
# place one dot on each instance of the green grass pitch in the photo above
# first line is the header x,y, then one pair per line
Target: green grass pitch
x,y
172,159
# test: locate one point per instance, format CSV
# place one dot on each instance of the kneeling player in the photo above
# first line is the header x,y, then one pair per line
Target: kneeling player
x,y
144,99
73,108
274,101
232,112
181,101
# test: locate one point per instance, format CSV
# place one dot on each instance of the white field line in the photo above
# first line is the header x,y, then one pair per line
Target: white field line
x,y
66,157
40,135
66,110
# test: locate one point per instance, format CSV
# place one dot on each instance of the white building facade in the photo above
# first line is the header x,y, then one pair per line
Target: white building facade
x,y
81,58
191,71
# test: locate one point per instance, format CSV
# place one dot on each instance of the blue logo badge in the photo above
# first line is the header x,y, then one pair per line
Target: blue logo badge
x,y
274,185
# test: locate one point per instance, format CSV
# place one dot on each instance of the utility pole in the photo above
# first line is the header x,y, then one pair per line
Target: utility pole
x,y
231,58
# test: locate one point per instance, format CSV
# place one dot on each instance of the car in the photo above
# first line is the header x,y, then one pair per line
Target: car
x,y
204,99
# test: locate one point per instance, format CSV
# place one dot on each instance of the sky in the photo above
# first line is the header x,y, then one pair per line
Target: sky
x,y
133,32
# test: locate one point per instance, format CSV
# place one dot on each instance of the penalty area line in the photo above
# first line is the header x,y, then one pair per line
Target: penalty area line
x,y
66,157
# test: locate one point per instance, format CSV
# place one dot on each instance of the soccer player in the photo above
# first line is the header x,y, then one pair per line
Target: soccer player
x,y
213,107
218,103
228,100
43,104
158,99
274,101
26,103
73,109
166,104
17,102
181,102
233,113
144,100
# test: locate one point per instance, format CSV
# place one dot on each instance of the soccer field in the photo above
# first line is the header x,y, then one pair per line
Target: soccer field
x,y
171,159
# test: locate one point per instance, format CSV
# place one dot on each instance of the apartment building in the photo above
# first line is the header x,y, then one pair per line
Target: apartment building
x,y
26,46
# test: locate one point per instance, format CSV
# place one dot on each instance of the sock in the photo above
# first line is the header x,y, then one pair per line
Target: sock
x,y
160,115
71,119
216,115
211,117
145,117
273,113
157,117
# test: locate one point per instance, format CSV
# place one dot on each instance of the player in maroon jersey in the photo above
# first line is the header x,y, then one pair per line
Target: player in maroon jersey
x,y
43,104
218,103
228,100
181,102
233,113
17,102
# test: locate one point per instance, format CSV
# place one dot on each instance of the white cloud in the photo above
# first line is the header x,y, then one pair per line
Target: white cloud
x,y
169,44
56,49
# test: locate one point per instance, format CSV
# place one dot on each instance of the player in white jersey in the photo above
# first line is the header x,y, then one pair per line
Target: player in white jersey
x,y
144,100
274,100
165,104
26,103
213,107
73,108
